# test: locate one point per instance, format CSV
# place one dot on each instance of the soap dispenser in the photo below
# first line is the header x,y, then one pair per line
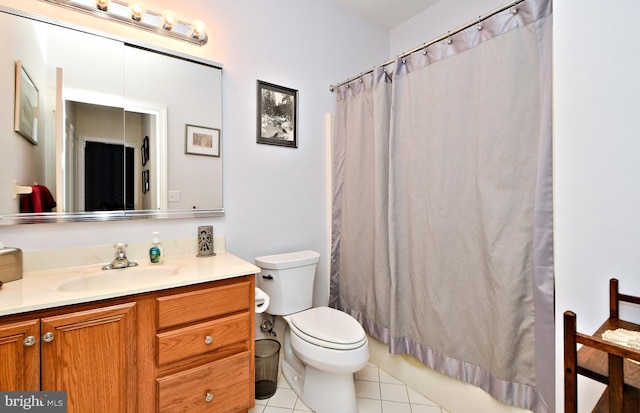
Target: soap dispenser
x,y
156,252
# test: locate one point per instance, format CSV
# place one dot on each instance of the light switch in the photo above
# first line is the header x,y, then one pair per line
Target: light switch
x,y
174,196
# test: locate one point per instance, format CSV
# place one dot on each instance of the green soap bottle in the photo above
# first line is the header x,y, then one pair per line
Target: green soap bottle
x,y
156,252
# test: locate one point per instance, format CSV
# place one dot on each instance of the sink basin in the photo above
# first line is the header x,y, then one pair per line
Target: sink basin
x,y
110,279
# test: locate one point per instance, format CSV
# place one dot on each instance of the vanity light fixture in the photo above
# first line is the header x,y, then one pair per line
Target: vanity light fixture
x,y
169,19
134,13
197,29
137,9
102,5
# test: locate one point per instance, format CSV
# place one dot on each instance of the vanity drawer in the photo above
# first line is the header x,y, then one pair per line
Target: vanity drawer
x,y
201,338
199,305
221,386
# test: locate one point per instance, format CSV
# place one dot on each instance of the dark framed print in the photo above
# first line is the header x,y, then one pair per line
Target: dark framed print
x,y
201,140
26,105
145,181
144,150
277,122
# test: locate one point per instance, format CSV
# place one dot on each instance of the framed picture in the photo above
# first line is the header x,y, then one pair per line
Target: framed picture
x,y
26,105
277,115
145,181
203,141
144,150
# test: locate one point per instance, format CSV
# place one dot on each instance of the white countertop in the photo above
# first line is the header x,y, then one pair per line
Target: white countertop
x,y
38,290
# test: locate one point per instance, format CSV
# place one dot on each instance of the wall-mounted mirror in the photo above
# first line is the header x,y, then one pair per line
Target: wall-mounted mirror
x,y
104,129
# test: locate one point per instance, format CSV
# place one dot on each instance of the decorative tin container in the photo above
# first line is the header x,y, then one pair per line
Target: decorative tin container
x,y
10,264
205,241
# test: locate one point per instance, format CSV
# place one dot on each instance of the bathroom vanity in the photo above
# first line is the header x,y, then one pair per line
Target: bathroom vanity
x,y
181,342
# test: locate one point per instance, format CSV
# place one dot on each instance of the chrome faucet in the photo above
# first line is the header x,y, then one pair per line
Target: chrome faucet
x,y
120,260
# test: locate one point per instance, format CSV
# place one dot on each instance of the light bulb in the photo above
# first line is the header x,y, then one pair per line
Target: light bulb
x,y
169,19
102,5
137,9
197,29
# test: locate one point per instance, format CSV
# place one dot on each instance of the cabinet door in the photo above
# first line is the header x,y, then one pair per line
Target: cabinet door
x,y
20,356
91,355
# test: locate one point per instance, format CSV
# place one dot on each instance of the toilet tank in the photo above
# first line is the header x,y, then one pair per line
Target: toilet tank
x,y
288,280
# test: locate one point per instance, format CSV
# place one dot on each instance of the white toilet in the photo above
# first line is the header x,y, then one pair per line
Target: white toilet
x,y
323,347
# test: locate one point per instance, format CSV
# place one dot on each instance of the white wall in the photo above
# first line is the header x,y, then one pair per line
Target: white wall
x,y
276,198
597,164
437,20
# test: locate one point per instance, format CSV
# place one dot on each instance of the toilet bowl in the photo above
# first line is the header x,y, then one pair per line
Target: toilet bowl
x,y
323,347
319,361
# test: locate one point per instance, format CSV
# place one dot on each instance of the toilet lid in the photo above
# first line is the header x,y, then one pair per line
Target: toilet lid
x,y
328,327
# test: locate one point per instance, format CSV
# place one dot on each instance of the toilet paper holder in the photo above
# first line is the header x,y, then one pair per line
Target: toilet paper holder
x,y
261,304
267,326
261,301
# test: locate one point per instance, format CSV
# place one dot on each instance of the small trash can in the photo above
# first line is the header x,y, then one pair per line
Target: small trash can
x,y
267,359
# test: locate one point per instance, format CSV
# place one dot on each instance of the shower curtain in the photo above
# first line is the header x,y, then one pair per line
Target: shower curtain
x,y
442,206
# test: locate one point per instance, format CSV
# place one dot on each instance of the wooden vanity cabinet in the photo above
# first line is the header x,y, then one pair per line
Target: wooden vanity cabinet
x,y
20,356
186,349
92,355
89,354
205,355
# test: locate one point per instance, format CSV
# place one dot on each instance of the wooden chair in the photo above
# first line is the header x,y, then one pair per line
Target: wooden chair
x,y
603,361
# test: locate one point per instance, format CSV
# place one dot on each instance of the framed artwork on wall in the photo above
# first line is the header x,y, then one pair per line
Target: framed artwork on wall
x,y
26,105
277,110
201,140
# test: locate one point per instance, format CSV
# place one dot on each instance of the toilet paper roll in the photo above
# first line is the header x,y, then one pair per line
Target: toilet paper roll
x,y
262,301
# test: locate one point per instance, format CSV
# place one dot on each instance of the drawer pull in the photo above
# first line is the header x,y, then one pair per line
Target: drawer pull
x,y
209,397
29,341
48,337
208,340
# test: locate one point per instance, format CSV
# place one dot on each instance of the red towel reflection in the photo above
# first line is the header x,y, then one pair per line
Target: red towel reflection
x,y
39,200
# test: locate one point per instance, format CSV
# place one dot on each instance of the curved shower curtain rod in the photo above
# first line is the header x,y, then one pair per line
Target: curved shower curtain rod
x,y
511,5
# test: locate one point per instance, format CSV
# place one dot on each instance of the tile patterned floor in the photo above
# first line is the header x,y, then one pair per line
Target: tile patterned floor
x,y
377,392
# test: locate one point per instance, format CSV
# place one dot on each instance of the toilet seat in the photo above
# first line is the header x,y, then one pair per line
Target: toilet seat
x,y
328,327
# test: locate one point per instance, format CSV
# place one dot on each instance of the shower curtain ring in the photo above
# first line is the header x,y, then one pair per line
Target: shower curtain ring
x,y
514,9
449,39
479,26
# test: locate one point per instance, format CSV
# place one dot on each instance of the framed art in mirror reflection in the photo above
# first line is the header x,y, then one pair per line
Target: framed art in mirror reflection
x,y
201,140
26,105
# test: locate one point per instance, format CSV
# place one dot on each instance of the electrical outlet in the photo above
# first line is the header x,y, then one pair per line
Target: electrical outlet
x,y
174,196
